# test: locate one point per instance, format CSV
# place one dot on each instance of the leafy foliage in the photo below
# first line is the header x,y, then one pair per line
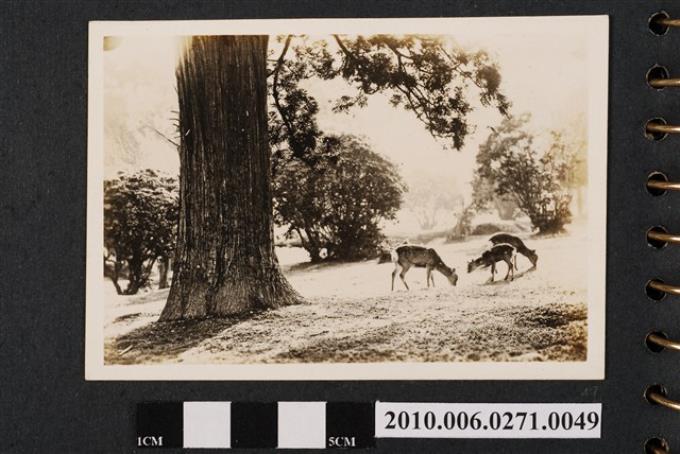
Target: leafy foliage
x,y
338,203
422,74
292,121
537,180
140,218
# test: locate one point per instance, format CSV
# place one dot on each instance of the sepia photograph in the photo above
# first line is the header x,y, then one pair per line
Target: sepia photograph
x,y
319,199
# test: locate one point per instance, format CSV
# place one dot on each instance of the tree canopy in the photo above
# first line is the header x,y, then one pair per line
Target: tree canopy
x,y
338,204
422,74
140,217
537,178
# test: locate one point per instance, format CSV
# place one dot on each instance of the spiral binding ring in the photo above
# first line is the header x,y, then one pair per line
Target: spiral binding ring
x,y
657,184
668,22
662,342
656,446
660,22
654,127
662,287
657,395
662,185
657,450
664,83
662,237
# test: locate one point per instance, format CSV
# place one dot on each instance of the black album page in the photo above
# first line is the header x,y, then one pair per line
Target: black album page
x,y
331,225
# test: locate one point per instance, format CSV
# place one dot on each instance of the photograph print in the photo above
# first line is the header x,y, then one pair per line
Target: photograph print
x,y
347,199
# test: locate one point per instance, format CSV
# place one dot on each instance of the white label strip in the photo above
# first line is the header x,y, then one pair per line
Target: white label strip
x,y
483,420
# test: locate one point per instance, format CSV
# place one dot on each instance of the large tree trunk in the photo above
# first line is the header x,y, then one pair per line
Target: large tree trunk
x,y
225,262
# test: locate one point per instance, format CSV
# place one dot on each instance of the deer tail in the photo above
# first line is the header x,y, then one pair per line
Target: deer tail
x,y
394,256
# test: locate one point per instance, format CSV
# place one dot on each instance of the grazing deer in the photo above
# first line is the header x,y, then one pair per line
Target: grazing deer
x,y
498,253
408,255
506,238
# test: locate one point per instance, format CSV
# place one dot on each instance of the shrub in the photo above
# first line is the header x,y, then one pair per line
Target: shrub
x,y
140,217
337,203
536,177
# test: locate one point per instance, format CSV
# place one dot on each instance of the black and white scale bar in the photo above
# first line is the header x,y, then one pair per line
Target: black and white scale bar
x,y
284,425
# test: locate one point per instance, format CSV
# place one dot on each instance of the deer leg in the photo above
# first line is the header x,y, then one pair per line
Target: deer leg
x,y
515,260
511,271
404,269
394,274
428,275
432,278
493,271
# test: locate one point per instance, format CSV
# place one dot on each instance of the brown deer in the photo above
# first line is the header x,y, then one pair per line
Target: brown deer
x,y
506,238
498,253
408,255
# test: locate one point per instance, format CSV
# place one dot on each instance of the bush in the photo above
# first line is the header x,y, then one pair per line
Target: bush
x,y
463,226
140,218
337,203
536,177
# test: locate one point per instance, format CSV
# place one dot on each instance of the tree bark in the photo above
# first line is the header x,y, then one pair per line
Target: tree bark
x,y
135,276
114,274
225,262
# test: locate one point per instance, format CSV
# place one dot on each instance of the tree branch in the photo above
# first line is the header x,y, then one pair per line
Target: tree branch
x,y
275,91
148,125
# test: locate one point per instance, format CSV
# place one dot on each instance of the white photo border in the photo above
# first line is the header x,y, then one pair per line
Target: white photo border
x,y
595,28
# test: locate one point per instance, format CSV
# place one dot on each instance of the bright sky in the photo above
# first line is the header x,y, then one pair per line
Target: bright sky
x,y
543,73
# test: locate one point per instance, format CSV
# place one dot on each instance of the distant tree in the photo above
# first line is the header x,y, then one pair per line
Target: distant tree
x,y
463,226
485,198
428,197
140,218
536,179
338,204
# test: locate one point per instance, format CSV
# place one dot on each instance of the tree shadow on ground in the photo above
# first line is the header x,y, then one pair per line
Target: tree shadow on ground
x,y
312,266
163,341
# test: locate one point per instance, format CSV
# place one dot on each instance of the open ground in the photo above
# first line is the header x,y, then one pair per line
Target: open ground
x,y
352,316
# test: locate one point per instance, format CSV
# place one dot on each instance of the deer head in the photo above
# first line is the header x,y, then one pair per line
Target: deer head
x,y
473,265
453,278
450,274
533,257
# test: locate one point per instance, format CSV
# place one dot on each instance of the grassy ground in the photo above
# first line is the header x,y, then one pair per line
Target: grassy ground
x,y
352,316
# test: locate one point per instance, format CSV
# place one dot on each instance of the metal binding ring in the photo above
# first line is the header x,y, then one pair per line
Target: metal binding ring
x,y
657,395
659,78
660,22
657,446
663,237
658,184
663,342
668,22
663,287
664,185
662,128
665,83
